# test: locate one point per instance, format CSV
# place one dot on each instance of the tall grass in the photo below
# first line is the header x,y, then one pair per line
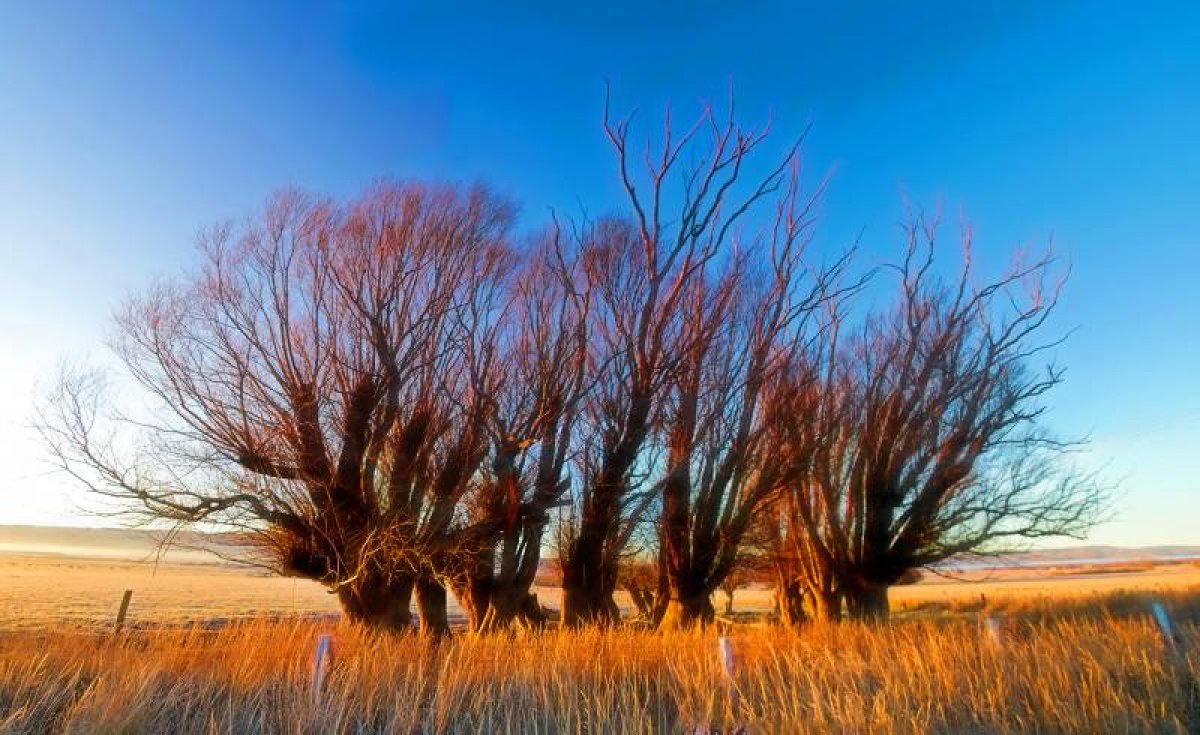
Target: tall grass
x,y
1100,674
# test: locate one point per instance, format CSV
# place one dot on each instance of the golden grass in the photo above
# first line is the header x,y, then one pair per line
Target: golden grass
x,y
1108,674
1080,654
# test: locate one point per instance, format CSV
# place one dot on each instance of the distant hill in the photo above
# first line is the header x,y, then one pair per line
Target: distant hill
x,y
1080,555
131,544
190,546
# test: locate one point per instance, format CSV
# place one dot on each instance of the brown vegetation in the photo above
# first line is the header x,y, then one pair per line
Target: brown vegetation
x,y
1112,673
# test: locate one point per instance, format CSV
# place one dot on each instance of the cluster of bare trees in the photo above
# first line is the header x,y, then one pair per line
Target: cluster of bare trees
x,y
396,396
921,437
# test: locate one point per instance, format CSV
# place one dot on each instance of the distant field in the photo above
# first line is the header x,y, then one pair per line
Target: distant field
x,y
38,590
59,588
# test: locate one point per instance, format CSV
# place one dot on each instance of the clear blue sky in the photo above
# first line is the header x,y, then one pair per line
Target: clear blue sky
x,y
124,127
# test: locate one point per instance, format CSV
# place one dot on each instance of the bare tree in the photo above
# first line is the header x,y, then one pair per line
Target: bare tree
x,y
539,390
738,331
320,382
645,274
930,439
626,364
806,586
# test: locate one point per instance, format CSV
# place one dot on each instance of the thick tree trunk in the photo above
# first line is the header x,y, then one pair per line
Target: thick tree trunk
x,y
507,599
826,606
789,599
586,605
474,597
431,607
869,602
614,610
532,613
509,607
590,568
379,604
587,592
510,596
687,612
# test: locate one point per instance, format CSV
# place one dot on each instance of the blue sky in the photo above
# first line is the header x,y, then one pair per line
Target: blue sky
x,y
125,127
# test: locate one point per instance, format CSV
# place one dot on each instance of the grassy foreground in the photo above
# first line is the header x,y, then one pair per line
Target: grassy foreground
x,y
1107,671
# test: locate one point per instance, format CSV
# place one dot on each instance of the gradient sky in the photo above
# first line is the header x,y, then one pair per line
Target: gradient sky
x,y
125,127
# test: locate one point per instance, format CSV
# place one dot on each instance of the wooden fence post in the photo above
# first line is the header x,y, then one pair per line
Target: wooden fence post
x,y
725,655
1159,611
995,632
124,609
322,656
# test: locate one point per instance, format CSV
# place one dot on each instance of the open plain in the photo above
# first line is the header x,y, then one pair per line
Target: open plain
x,y
81,585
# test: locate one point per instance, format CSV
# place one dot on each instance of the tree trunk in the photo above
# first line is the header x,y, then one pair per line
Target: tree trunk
x,y
789,598
431,607
729,602
378,604
511,606
869,602
507,597
590,567
586,605
661,600
532,613
587,597
826,606
687,612
643,600
474,597
614,610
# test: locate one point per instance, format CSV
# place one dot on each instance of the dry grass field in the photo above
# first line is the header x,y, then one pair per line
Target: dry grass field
x,y
1078,654
36,590
1110,675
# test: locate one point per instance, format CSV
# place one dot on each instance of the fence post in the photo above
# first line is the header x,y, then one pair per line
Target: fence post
x,y
994,631
322,655
124,609
1163,620
725,656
